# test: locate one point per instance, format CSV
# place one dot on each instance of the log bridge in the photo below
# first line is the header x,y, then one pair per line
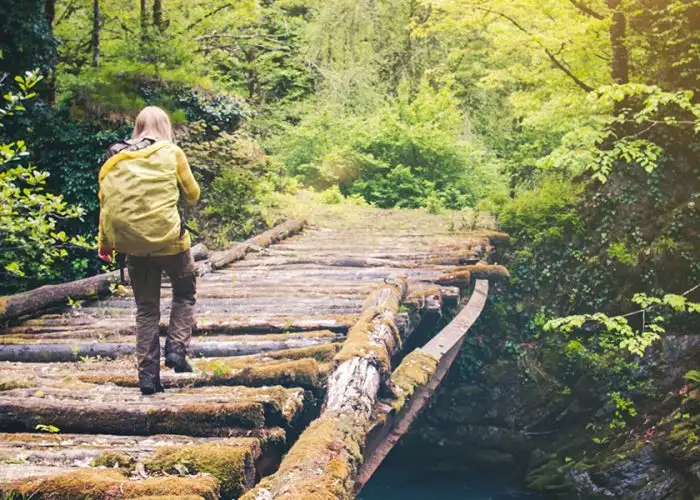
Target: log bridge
x,y
315,348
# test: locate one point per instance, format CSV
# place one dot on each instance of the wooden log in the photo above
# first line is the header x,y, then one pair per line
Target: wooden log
x,y
143,420
324,461
217,260
231,461
413,383
199,252
39,299
66,352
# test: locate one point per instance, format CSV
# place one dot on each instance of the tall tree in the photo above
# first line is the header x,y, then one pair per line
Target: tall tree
x,y
50,8
158,15
27,42
144,20
620,57
96,26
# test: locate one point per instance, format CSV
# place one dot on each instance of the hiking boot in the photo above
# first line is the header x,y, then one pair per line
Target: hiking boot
x,y
149,389
178,362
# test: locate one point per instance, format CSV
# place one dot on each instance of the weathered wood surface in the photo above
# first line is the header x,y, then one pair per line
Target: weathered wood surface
x,y
37,300
414,382
282,321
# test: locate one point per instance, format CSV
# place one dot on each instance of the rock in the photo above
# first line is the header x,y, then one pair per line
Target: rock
x,y
585,487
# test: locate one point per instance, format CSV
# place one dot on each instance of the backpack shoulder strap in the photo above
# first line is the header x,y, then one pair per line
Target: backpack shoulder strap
x,y
130,145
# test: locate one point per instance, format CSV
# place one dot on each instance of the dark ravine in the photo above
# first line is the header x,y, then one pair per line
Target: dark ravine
x,y
503,424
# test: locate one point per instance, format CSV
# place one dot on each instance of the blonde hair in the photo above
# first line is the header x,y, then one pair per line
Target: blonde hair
x,y
153,122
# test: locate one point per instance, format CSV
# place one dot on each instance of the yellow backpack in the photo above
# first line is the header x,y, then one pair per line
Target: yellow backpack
x,y
139,200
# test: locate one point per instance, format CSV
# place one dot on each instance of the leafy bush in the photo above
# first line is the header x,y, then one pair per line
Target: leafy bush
x,y
114,94
409,151
235,175
32,239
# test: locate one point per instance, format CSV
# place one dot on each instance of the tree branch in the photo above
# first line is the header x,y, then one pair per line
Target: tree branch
x,y
586,9
212,13
551,56
568,72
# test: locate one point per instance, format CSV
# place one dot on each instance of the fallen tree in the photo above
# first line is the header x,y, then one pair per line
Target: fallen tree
x,y
328,457
325,459
218,260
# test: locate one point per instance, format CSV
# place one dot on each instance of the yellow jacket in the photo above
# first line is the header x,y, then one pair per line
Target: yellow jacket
x,y
139,192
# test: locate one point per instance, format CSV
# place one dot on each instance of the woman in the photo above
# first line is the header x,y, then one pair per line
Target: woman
x,y
140,186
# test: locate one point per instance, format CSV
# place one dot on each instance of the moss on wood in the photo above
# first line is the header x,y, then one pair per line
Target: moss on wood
x,y
375,335
233,466
204,419
7,384
484,271
111,483
114,460
206,487
414,371
321,353
461,279
306,373
321,464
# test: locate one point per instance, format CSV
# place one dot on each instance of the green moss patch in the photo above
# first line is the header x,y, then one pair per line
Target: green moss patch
x,y
484,272
114,460
321,464
414,371
92,483
233,466
7,384
375,335
321,353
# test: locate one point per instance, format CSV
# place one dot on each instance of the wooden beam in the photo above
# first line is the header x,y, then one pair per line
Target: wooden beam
x,y
392,421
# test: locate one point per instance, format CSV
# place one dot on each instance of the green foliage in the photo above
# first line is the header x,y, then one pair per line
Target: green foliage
x,y
406,153
26,43
237,176
31,238
693,376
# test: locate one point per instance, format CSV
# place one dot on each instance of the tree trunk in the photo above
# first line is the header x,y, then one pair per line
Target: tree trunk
x,y
67,352
199,252
50,82
24,414
338,435
220,259
158,15
95,41
50,10
39,299
144,20
618,31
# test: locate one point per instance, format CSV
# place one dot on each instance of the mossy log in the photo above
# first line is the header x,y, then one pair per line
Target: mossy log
x,y
39,299
218,260
65,352
305,373
146,419
324,461
413,383
365,357
113,484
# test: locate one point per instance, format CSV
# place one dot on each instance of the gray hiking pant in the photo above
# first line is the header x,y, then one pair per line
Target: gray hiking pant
x,y
145,275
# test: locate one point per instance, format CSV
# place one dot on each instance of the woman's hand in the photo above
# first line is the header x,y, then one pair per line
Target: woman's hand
x,y
105,254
